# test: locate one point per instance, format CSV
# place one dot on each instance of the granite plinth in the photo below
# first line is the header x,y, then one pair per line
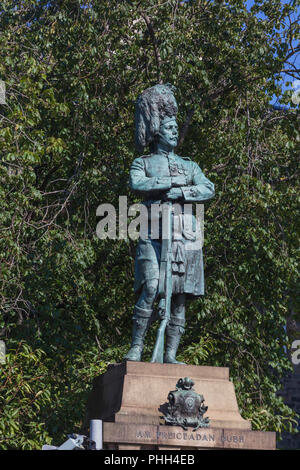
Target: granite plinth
x,y
129,397
134,392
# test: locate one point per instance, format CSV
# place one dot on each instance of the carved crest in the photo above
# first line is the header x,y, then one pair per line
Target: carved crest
x,y
186,407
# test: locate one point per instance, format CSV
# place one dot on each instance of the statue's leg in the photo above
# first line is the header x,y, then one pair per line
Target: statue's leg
x,y
175,328
142,319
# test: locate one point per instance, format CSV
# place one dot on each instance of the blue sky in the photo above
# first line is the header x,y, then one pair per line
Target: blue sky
x,y
287,82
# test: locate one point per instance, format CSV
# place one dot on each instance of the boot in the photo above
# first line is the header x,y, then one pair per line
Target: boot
x,y
173,334
141,323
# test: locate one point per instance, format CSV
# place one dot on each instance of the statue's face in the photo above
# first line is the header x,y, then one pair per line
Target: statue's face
x,y
168,133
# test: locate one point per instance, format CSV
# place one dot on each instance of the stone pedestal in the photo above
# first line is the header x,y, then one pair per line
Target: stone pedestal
x,y
129,398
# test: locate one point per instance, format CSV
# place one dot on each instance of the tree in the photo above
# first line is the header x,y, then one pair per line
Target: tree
x,y
73,70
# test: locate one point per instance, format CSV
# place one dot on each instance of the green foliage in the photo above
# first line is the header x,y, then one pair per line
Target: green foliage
x,y
197,353
24,391
73,70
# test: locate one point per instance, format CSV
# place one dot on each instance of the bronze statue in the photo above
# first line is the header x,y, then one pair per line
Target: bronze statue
x,y
162,177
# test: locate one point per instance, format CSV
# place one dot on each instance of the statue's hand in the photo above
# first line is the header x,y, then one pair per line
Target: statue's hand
x,y
178,181
173,194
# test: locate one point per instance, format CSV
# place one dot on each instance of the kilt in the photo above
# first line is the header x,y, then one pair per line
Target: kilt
x,y
187,265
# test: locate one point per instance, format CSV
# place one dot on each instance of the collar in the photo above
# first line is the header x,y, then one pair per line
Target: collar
x,y
164,153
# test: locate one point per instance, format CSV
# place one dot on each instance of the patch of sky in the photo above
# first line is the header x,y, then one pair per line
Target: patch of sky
x,y
286,81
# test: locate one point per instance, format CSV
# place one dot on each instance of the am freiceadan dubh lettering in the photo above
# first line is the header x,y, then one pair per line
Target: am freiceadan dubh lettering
x,y
186,436
178,435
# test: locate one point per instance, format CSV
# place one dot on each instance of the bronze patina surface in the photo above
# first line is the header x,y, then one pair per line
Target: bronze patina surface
x,y
167,269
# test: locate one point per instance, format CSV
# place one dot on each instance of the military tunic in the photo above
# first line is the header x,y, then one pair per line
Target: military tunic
x,y
151,176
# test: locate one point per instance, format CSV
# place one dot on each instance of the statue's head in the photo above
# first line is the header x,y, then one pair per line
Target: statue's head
x,y
168,132
155,117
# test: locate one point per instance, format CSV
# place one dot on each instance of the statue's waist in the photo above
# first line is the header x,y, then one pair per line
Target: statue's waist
x,y
161,200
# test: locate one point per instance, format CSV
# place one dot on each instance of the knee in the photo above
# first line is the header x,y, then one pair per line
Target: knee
x,y
178,316
151,288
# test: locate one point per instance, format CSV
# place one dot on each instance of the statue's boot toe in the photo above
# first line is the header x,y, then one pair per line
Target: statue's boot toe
x,y
134,354
171,360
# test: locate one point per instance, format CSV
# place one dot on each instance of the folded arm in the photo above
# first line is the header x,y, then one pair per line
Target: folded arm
x,y
142,184
201,189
